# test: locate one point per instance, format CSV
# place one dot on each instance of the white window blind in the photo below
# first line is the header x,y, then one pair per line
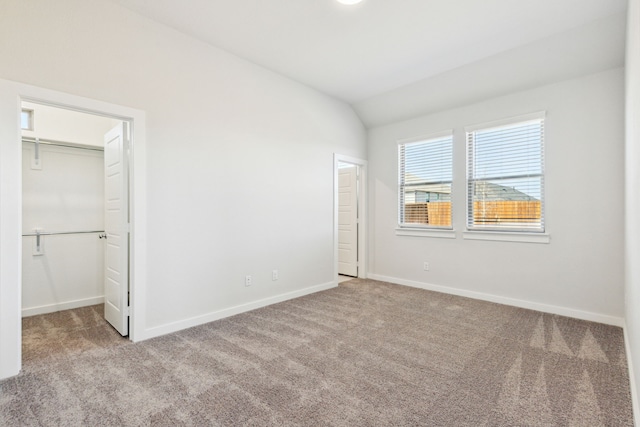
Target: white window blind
x,y
505,175
425,175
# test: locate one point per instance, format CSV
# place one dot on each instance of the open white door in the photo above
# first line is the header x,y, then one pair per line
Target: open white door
x,y
348,221
116,280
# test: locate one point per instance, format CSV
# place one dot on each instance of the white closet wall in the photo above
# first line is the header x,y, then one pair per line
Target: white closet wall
x,y
65,194
70,126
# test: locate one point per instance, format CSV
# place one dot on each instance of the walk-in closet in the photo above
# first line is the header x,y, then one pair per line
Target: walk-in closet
x,y
63,228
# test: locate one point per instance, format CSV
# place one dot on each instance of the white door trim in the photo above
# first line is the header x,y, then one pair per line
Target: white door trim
x,y
362,214
11,96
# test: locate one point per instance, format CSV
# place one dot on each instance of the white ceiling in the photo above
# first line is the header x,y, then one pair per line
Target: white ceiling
x,y
357,53
584,50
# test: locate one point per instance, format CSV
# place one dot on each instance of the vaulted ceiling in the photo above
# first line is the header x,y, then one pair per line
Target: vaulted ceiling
x,y
371,53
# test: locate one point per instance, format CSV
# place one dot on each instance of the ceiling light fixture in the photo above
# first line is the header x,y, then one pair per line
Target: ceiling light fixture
x,y
349,2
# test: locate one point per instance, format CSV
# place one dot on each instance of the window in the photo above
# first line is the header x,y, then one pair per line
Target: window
x,y
26,119
425,175
505,175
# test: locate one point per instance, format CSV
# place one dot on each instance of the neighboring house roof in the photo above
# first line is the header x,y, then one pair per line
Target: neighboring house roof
x,y
489,191
427,188
485,190
431,188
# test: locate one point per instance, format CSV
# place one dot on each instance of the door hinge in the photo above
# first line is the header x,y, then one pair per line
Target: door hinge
x,y
127,311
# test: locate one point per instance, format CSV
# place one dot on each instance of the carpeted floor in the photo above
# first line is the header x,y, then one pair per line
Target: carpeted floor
x,y
364,354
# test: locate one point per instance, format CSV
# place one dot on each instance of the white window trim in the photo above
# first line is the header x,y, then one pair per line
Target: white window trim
x,y
441,233
540,115
507,235
420,138
426,230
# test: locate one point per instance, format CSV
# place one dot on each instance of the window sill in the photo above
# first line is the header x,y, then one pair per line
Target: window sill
x,y
499,236
426,232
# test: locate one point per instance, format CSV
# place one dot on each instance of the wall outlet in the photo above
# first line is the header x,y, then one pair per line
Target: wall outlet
x,y
426,266
247,281
274,275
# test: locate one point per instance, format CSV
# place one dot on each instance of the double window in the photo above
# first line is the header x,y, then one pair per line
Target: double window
x,y
425,167
505,177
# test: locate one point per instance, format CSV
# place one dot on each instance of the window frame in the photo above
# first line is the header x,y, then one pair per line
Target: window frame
x,y
416,229
510,233
30,115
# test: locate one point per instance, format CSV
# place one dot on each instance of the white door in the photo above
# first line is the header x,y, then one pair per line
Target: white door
x,y
116,280
348,221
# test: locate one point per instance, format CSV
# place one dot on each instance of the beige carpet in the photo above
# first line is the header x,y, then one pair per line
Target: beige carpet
x,y
364,354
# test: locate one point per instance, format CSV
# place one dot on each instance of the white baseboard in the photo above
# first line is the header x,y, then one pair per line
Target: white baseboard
x,y
232,311
52,308
545,308
632,383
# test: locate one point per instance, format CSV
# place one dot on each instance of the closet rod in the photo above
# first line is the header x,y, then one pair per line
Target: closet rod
x,y
45,233
56,143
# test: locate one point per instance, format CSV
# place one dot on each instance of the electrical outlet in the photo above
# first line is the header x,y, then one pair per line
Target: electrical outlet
x,y
247,281
274,275
426,266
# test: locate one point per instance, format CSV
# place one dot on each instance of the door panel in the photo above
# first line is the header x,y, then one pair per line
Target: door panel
x,y
116,283
348,221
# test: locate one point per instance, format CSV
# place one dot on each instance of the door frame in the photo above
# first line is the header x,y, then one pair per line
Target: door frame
x,y
362,213
11,96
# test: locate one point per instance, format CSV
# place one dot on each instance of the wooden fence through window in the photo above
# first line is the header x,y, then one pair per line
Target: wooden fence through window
x,y
485,213
431,213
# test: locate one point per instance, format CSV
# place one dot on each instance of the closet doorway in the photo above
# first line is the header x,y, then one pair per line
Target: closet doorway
x,y
348,188
349,218
75,220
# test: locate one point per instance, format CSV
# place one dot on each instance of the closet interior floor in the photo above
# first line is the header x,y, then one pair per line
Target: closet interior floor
x,y
49,337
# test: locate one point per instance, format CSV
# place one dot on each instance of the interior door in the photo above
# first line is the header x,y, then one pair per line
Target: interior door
x,y
116,280
348,221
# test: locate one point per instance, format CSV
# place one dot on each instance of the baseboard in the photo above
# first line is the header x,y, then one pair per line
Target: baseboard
x,y
52,308
232,311
632,383
545,308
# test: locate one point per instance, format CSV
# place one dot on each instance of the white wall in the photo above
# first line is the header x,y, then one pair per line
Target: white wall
x,y
64,125
66,194
632,230
239,159
580,271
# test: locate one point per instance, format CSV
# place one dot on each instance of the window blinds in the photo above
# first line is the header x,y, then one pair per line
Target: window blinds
x,y
425,175
505,176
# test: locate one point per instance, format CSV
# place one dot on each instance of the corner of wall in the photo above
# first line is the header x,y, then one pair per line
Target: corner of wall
x,y
632,384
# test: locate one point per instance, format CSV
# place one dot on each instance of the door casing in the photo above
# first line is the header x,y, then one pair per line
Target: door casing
x,y
362,213
12,94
